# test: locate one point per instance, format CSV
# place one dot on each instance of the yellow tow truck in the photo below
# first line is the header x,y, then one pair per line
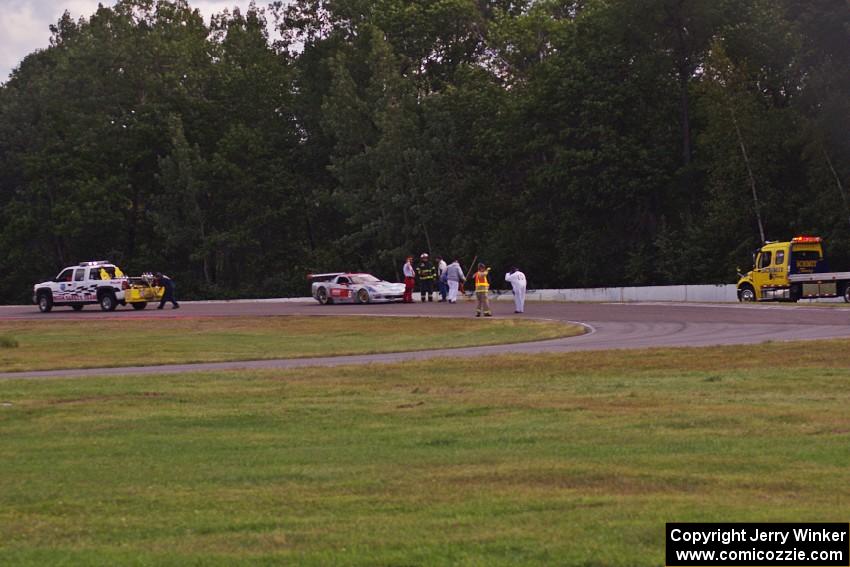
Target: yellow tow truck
x,y
790,271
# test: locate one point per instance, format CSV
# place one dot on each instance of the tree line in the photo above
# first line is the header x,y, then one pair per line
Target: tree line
x,y
591,142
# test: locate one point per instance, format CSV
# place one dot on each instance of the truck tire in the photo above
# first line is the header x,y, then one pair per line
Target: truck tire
x,y
139,305
795,293
77,307
746,294
45,302
108,301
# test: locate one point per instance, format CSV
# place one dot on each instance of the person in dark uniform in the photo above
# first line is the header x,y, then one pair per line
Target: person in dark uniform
x,y
427,276
168,295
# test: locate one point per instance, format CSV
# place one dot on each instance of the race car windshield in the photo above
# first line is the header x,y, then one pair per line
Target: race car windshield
x,y
364,279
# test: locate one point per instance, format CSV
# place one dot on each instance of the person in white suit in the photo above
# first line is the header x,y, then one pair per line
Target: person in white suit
x,y
454,278
517,281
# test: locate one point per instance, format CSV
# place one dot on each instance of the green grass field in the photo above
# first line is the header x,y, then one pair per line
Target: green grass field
x,y
43,345
575,459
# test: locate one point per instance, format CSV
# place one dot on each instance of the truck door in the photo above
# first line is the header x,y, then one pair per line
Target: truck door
x,y
762,275
85,289
65,285
77,288
780,273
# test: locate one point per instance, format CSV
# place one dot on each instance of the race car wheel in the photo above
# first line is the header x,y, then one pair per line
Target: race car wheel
x,y
322,296
108,302
363,296
846,293
138,306
77,307
45,302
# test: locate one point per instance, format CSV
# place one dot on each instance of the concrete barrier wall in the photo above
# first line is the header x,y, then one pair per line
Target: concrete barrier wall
x,y
723,293
710,293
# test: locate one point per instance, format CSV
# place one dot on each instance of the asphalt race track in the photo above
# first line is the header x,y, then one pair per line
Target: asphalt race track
x,y
610,326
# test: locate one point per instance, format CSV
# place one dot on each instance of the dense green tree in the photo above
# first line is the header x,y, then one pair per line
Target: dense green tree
x,y
594,142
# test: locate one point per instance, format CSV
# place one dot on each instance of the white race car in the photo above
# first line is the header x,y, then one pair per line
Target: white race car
x,y
344,287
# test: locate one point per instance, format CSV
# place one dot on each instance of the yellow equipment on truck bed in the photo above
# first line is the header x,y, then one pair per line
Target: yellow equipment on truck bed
x,y
143,291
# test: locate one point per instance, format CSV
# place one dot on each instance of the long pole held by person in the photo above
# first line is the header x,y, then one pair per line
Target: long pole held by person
x,y
468,272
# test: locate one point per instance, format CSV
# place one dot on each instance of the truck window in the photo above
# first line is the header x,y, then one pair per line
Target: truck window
x,y
79,274
95,272
764,259
780,258
65,275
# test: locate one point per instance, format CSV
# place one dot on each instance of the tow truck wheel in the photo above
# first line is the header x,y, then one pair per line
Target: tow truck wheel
x,y
747,294
45,302
108,302
77,307
363,296
795,293
322,296
139,305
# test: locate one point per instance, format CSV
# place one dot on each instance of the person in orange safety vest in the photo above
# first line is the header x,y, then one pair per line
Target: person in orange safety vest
x,y
482,289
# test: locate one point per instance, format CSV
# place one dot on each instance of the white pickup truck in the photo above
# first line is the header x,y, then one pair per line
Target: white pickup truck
x,y
91,283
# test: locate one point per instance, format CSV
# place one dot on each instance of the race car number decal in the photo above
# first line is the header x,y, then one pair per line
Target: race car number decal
x,y
338,292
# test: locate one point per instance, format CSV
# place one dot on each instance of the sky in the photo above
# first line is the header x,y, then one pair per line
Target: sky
x,y
25,24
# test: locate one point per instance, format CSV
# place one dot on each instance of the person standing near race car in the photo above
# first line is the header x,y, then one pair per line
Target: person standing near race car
x,y
454,277
442,281
409,280
168,295
517,281
482,289
427,275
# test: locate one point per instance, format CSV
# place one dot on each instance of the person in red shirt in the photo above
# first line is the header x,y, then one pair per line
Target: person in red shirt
x,y
409,280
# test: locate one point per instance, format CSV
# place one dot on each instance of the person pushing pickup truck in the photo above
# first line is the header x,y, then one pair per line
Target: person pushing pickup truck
x,y
169,286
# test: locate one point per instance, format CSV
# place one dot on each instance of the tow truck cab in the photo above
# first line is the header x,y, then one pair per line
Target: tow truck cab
x,y
789,271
